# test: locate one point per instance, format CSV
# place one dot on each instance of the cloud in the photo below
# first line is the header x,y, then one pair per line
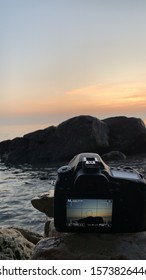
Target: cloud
x,y
100,99
137,97
94,89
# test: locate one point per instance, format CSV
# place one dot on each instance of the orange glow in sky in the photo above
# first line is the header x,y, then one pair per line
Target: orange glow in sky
x,y
64,58
99,99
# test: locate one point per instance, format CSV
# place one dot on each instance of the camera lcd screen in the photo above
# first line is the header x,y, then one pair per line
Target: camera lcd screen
x,y
89,213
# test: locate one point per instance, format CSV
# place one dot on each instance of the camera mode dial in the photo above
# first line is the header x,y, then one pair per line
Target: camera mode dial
x,y
64,170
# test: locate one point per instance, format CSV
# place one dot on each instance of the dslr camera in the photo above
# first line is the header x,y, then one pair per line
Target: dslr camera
x,y
91,196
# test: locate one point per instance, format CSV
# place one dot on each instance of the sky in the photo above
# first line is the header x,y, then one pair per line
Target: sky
x,y
64,58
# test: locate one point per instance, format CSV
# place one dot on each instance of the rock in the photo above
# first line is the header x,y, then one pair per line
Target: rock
x,y
131,246
74,136
44,203
114,155
13,245
127,135
49,229
61,143
80,134
32,237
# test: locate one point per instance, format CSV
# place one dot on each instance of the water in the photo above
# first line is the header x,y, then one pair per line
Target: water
x,y
17,187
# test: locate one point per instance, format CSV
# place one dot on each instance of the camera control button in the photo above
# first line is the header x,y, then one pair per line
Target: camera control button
x,y
64,169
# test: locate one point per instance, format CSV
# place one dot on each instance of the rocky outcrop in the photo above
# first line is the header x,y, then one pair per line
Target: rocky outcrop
x,y
114,155
76,135
14,246
44,203
53,144
131,246
127,135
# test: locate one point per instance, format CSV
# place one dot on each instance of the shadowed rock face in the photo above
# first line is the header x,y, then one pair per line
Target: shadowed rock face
x,y
114,155
76,135
83,133
44,203
127,135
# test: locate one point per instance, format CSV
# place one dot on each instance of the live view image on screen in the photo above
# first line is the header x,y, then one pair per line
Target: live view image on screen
x,y
89,212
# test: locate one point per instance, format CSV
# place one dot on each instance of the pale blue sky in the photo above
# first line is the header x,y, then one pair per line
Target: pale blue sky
x,y
65,58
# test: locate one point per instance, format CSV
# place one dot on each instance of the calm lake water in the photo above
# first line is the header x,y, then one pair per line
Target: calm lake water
x,y
18,185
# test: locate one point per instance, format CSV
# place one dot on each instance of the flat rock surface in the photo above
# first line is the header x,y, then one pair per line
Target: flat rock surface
x,y
128,246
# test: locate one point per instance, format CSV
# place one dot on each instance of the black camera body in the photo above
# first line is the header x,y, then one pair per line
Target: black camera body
x,y
91,196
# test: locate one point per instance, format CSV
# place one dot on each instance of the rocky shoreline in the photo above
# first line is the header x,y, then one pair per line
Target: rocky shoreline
x,y
16,243
84,133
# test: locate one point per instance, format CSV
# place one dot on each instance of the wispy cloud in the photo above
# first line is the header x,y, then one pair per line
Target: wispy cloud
x,y
93,99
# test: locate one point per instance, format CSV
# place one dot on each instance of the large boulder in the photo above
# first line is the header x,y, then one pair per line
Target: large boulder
x,y
74,136
81,134
127,135
14,246
114,156
61,143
